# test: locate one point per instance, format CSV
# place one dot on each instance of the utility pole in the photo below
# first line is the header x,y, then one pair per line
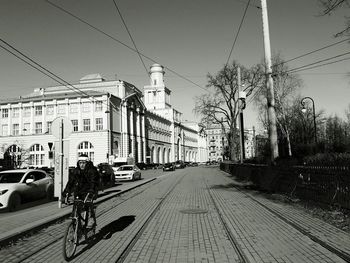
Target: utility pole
x,y
269,85
241,96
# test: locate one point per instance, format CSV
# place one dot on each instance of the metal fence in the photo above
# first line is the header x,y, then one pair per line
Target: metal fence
x,y
327,185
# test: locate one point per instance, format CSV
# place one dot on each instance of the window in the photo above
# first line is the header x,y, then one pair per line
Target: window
x,y
86,106
49,125
61,109
15,129
26,111
98,106
86,148
38,128
15,112
49,109
4,130
75,125
36,155
99,124
5,113
26,128
86,124
73,108
38,110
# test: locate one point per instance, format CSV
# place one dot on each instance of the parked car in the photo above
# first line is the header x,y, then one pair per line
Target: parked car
x,y
142,166
169,167
127,172
48,170
194,164
22,185
179,165
106,175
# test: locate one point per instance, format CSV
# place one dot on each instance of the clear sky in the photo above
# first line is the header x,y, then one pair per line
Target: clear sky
x,y
190,37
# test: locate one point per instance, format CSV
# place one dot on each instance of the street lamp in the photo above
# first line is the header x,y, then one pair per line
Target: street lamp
x,y
313,111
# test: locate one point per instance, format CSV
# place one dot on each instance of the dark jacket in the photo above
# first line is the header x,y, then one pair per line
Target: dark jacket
x,y
82,182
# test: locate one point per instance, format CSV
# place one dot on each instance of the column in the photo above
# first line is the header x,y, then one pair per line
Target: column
x,y
138,135
132,135
124,131
143,136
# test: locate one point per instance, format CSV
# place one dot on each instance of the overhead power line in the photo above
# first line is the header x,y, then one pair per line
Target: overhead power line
x,y
319,61
313,51
236,37
29,61
120,42
132,40
321,65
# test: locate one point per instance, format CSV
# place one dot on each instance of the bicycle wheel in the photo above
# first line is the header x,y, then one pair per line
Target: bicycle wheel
x,y
70,240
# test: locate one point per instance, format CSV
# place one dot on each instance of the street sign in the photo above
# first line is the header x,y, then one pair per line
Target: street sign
x,y
64,174
67,127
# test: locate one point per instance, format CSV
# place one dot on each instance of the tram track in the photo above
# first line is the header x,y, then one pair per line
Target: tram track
x,y
342,254
233,241
58,237
303,230
134,240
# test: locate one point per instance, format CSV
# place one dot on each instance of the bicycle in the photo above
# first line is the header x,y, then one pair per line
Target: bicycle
x,y
78,227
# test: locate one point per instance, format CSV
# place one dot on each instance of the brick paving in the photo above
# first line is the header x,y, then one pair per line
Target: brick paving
x,y
187,227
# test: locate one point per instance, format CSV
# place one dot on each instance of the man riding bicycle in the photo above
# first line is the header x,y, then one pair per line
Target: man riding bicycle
x,y
83,184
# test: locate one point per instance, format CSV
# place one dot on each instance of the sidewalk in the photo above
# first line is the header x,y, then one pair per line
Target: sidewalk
x,y
13,225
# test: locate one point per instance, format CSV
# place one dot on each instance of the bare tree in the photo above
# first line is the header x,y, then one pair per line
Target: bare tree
x,y
221,107
330,6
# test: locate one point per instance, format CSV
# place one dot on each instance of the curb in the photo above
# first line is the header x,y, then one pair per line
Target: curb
x,y
16,233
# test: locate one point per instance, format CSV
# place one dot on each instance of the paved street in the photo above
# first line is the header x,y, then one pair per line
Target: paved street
x,y
191,215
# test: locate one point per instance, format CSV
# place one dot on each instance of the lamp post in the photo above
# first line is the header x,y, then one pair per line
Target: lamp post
x,y
313,112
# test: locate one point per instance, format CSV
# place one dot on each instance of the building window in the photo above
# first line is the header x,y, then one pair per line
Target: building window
x,y
86,106
38,110
4,130
73,108
36,155
98,106
49,109
26,112
86,148
49,125
15,129
61,109
86,124
75,125
15,112
5,113
26,128
99,124
38,128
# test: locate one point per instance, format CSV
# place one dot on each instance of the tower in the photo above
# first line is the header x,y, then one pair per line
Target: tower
x,y
157,95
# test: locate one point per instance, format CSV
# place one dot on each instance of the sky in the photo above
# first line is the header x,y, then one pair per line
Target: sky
x,y
192,38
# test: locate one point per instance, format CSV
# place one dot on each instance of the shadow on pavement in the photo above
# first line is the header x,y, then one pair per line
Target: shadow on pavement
x,y
107,232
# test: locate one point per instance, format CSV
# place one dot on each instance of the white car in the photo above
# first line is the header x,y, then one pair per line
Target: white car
x,y
127,172
18,186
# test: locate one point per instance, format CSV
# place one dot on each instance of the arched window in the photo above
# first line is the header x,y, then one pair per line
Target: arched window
x,y
86,148
36,155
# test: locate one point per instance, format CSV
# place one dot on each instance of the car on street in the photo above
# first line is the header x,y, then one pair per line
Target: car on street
x,y
127,173
169,167
22,185
179,164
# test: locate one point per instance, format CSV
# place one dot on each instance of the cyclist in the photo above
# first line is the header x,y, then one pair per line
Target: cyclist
x,y
83,184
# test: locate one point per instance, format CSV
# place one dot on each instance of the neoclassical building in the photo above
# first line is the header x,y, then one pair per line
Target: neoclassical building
x,y
110,122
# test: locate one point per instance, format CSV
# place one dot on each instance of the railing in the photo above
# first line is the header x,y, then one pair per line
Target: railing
x,y
327,185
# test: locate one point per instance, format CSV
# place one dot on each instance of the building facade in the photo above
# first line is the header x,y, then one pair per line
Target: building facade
x,y
110,123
